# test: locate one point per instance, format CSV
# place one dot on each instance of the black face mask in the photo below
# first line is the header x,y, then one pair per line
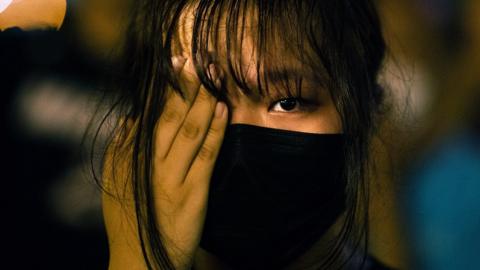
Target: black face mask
x,y
273,194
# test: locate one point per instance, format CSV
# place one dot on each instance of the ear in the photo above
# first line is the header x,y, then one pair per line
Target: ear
x,y
32,14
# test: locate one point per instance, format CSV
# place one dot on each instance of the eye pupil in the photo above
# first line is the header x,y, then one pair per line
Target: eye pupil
x,y
288,104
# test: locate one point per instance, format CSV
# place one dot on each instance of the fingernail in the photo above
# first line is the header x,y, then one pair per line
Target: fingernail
x,y
219,109
216,75
213,72
177,62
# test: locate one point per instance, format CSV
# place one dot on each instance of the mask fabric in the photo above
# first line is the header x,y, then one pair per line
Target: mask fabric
x,y
273,194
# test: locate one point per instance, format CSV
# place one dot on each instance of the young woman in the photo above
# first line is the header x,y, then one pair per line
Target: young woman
x,y
243,135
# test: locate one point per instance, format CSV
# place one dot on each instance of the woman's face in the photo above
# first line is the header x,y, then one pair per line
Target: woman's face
x,y
316,113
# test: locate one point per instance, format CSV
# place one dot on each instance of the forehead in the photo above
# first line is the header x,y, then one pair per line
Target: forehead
x,y
249,47
242,31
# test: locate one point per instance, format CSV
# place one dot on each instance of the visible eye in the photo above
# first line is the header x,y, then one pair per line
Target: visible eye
x,y
290,104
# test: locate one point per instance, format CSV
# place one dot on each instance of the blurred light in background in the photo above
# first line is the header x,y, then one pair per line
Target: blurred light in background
x,y
4,4
51,83
425,215
442,205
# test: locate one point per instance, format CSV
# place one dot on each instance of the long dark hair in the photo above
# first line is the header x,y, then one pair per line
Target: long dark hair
x,y
340,41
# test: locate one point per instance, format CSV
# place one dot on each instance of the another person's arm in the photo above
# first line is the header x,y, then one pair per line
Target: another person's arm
x,y
33,14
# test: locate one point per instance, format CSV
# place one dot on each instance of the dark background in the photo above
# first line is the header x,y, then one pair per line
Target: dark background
x,y
425,195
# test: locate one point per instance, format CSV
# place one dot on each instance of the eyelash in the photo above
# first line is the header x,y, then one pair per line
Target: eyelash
x,y
303,104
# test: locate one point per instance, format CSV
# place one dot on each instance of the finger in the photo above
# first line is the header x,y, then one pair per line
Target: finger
x,y
202,167
168,124
215,75
176,107
188,80
178,62
191,135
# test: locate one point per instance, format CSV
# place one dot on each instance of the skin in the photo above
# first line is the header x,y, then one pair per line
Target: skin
x,y
33,14
188,138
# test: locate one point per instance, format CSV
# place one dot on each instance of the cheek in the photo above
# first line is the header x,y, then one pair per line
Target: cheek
x,y
328,121
323,120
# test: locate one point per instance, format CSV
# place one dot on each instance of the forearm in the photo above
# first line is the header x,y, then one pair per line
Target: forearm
x,y
33,14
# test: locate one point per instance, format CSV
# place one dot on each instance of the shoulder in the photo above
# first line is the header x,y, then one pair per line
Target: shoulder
x,y
366,263
372,263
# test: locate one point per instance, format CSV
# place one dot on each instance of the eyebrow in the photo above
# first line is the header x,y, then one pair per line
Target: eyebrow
x,y
276,75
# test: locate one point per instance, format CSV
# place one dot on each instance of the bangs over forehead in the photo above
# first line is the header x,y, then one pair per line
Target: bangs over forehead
x,y
261,44
338,44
